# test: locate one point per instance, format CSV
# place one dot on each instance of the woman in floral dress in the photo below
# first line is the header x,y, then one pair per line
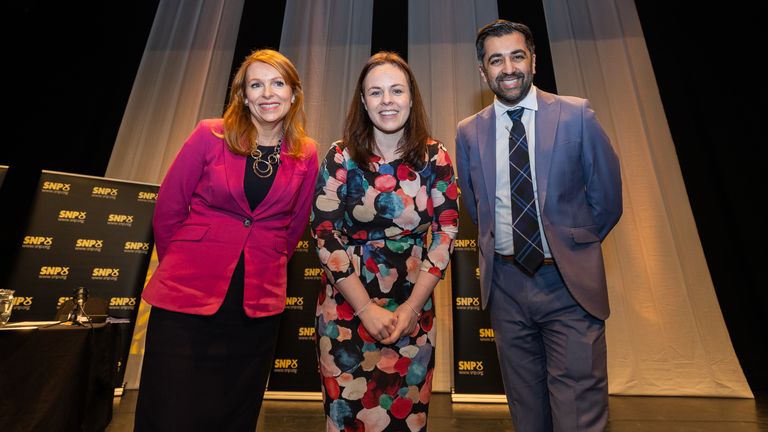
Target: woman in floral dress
x,y
378,193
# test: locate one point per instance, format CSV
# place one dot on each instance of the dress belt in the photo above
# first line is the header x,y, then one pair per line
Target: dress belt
x,y
547,261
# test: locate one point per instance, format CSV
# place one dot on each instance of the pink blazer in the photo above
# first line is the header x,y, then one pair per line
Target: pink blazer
x,y
202,223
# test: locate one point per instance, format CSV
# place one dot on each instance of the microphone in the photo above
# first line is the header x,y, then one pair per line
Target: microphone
x,y
79,297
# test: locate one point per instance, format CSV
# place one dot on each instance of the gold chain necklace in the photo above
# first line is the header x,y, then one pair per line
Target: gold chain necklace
x,y
263,167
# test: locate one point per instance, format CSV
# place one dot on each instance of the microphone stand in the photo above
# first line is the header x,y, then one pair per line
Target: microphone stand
x,y
78,311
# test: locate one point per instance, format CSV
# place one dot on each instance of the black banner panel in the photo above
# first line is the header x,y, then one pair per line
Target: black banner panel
x,y
476,374
295,374
88,232
3,170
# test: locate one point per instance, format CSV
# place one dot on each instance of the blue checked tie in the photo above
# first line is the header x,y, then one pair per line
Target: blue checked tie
x,y
526,235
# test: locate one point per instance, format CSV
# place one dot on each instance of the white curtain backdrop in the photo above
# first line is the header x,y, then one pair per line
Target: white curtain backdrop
x,y
182,78
441,53
329,42
666,334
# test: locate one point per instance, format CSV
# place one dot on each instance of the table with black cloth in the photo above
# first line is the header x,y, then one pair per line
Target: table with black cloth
x,y
57,378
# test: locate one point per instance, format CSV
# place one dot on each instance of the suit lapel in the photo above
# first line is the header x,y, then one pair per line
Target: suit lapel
x,y
486,138
281,185
235,171
546,128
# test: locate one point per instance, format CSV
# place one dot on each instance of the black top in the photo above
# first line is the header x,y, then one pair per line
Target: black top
x,y
257,188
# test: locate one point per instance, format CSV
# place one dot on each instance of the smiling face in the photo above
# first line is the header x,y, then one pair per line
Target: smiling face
x,y
508,67
387,98
267,94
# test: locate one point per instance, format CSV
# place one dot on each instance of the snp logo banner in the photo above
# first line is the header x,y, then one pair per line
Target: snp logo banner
x,y
37,242
295,303
105,273
486,335
104,192
468,303
124,303
136,247
306,333
148,197
465,244
471,367
75,216
286,365
312,273
89,232
89,245
120,219
56,187
54,272
302,246
22,303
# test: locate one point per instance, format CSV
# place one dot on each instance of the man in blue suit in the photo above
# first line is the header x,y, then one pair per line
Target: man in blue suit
x,y
544,282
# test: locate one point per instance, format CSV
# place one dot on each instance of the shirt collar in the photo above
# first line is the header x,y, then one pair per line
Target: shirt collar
x,y
529,102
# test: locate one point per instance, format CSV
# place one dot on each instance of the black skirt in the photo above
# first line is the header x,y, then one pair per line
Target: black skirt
x,y
206,372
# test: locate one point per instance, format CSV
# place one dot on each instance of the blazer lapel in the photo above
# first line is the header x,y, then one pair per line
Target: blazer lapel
x,y
281,185
235,170
546,126
486,139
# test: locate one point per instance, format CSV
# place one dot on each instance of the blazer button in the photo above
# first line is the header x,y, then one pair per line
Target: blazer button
x,y
247,223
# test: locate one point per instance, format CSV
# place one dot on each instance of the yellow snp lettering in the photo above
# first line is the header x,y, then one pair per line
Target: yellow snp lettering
x,y
462,243
103,191
37,240
119,218
465,365
294,301
147,195
486,333
72,214
312,271
130,245
54,271
303,244
286,363
306,331
62,300
57,186
122,301
467,301
89,243
25,301
105,271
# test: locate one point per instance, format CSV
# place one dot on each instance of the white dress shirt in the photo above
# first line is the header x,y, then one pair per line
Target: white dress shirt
x,y
503,227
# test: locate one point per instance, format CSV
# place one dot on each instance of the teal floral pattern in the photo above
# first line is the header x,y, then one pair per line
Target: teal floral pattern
x,y
374,223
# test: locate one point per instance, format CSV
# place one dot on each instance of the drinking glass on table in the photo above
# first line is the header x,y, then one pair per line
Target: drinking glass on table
x,y
6,305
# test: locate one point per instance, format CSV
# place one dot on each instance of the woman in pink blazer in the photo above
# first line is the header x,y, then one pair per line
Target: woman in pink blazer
x,y
229,215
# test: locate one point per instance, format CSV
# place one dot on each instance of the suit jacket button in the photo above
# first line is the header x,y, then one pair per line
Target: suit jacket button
x,y
247,223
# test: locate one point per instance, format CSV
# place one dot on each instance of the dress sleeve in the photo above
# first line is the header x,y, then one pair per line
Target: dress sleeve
x,y
328,212
445,218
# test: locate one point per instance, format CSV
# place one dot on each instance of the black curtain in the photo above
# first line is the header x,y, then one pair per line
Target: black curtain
x,y
705,61
69,69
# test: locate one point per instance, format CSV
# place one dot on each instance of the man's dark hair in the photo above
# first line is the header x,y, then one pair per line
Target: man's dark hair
x,y
501,28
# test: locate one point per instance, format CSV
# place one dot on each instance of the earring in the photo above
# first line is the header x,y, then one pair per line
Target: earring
x,y
245,102
293,98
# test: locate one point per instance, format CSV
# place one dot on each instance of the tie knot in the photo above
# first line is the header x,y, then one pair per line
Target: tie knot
x,y
516,114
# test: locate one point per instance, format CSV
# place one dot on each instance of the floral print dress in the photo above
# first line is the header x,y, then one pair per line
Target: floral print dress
x,y
374,223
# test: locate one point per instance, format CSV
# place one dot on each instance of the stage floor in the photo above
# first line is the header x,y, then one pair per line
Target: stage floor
x,y
627,414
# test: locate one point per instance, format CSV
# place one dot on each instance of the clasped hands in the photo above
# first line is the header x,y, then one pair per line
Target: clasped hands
x,y
388,327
